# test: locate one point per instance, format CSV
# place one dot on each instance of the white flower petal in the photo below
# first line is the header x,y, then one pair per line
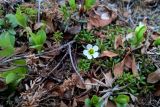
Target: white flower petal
x,y
89,46
95,55
89,56
85,52
95,48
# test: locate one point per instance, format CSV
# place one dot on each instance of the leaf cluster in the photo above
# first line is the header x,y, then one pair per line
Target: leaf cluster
x,y
122,100
85,37
93,102
15,75
84,65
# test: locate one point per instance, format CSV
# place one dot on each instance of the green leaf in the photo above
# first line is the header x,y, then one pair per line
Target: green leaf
x,y
72,4
38,47
139,34
6,52
122,99
20,62
37,40
89,3
41,37
157,42
7,44
7,40
95,100
87,102
12,20
21,18
32,38
11,77
12,31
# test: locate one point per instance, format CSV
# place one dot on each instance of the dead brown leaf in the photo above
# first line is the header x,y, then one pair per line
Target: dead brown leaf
x,y
108,54
108,79
100,35
102,19
38,25
77,81
134,67
74,103
87,81
118,42
21,49
118,69
128,61
154,77
74,29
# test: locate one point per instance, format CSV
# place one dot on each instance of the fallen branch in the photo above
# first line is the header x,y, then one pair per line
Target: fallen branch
x,y
75,69
9,59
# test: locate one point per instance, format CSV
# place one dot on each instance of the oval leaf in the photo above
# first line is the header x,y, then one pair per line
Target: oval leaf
x,y
11,77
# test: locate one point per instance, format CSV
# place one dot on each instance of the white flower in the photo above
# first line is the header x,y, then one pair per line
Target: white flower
x,y
91,51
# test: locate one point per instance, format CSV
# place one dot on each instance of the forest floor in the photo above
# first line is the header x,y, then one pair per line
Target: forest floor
x,y
80,53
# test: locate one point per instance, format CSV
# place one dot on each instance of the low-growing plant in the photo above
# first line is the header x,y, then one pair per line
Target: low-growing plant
x,y
100,44
57,37
84,65
134,85
93,102
7,42
138,35
122,100
85,37
65,12
30,12
14,76
8,23
21,18
37,40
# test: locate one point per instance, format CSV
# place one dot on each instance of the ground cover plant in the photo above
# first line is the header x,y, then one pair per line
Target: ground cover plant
x,y
79,53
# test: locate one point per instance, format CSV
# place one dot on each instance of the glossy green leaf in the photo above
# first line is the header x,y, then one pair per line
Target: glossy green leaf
x,y
37,40
11,77
157,42
95,100
139,34
33,38
41,36
122,99
72,4
21,18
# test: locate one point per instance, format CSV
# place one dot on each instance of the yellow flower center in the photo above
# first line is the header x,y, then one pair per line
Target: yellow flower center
x,y
91,51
